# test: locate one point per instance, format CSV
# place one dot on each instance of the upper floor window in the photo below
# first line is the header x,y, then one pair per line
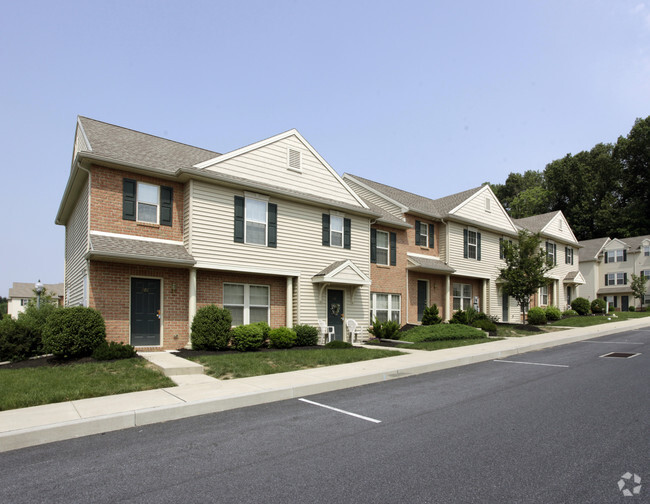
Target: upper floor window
x,y
24,302
424,234
502,242
646,250
143,202
336,231
471,244
568,255
551,253
256,221
619,255
616,279
382,247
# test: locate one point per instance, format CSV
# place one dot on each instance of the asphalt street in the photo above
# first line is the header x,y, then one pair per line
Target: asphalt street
x,y
559,425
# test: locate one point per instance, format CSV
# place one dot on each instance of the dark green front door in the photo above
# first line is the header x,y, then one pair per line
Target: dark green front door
x,y
335,312
145,312
423,297
625,303
505,312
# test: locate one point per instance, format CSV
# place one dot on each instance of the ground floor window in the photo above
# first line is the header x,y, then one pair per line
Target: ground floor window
x,y
386,307
611,302
543,296
247,303
462,296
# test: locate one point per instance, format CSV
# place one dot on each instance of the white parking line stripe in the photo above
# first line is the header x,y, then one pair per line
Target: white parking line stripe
x,y
531,363
613,342
340,411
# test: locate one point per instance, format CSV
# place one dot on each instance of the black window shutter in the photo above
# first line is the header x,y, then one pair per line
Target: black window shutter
x,y
326,230
566,255
624,278
393,249
432,236
129,187
624,255
417,232
606,284
606,257
347,239
554,254
166,205
272,212
478,246
615,301
500,248
465,243
239,219
373,245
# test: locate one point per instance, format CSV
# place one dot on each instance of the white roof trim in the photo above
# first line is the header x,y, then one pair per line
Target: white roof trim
x,y
578,279
138,238
403,209
83,132
423,256
566,222
623,244
262,143
331,276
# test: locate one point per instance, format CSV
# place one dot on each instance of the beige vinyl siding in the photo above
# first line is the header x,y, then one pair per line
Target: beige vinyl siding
x,y
187,215
368,195
269,165
590,272
560,271
76,246
299,248
474,209
559,229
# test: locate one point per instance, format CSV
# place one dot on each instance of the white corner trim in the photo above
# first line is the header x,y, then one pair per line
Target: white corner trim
x,y
132,237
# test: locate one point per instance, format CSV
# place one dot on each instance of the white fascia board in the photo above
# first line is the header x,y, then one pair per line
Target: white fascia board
x,y
621,242
560,215
423,256
135,237
403,209
247,269
83,132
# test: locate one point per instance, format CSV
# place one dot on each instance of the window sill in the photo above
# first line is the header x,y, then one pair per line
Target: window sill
x,y
384,266
148,224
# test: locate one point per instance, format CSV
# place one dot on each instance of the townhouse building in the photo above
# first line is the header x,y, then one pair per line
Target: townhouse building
x,y
155,229
21,293
607,265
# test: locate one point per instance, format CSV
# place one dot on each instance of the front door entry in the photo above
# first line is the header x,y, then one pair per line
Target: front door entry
x,y
505,315
145,312
625,303
335,312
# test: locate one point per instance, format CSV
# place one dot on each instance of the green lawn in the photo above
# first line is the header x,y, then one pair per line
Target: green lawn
x,y
589,320
242,365
517,331
20,388
440,345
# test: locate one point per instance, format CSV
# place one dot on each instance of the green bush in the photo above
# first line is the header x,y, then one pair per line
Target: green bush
x,y
441,332
537,316
113,351
306,335
486,325
73,332
430,316
15,343
598,306
569,313
266,329
247,338
553,313
282,337
211,328
459,317
338,344
580,305
631,308
384,330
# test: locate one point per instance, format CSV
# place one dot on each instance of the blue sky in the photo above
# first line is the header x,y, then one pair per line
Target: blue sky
x,y
434,97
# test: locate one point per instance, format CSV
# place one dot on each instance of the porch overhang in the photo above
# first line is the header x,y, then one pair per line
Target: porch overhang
x,y
134,251
424,264
340,274
616,289
574,278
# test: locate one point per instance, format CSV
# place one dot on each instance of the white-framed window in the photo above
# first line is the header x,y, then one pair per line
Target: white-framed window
x,y
24,301
616,255
551,252
256,219
646,274
424,234
247,303
568,255
472,244
611,302
543,295
382,247
148,198
462,294
336,231
386,307
646,250
616,279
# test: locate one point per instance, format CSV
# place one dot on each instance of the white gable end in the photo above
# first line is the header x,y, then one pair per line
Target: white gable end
x,y
559,228
483,207
286,161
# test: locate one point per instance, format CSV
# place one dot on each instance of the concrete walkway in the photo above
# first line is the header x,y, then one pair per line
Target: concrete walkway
x,y
198,394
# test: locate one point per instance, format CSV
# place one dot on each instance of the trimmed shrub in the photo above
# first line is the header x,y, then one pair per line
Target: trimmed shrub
x,y
459,317
580,305
266,329
598,306
306,335
247,338
430,316
537,316
282,337
15,343
211,328
113,351
631,308
384,330
486,325
441,332
553,313
338,344
569,313
73,332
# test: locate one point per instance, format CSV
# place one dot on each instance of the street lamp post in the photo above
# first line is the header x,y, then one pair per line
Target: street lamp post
x,y
39,289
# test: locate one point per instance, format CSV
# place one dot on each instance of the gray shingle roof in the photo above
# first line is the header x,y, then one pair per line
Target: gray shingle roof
x,y
128,248
535,223
590,248
438,208
129,146
635,241
330,268
26,289
430,264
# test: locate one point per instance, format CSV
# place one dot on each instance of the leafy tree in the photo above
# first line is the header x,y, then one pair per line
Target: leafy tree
x,y
3,306
526,268
516,184
529,202
638,286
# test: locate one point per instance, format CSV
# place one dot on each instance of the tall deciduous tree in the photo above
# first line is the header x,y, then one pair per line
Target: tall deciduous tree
x,y
526,268
638,287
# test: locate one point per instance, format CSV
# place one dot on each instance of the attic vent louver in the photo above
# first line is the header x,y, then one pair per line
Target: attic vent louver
x,y
294,159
